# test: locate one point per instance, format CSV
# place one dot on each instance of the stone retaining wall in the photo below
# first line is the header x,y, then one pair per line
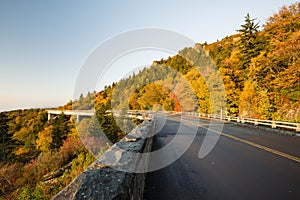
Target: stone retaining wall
x,y
113,175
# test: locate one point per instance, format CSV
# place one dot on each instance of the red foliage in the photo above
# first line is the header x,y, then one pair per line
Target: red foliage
x,y
176,103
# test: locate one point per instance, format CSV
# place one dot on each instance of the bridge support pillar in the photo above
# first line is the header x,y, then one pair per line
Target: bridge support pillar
x,y
77,118
50,116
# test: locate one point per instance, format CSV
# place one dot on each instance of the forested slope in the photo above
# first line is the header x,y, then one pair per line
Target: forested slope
x,y
259,66
261,69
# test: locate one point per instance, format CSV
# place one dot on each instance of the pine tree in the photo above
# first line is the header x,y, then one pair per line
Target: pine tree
x,y
60,130
4,136
248,44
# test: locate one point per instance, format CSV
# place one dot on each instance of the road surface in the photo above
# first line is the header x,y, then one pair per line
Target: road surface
x,y
245,163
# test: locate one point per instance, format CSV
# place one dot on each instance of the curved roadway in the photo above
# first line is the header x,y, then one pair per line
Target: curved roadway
x,y
236,168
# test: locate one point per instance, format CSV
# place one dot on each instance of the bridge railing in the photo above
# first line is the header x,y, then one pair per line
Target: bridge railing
x,y
256,122
141,115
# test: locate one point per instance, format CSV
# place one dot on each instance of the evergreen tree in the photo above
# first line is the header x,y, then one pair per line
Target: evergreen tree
x,y
60,129
4,136
248,44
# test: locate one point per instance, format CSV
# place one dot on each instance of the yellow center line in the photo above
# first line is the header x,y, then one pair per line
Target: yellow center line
x,y
285,155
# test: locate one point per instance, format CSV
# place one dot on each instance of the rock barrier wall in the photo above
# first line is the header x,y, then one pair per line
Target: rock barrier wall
x,y
119,172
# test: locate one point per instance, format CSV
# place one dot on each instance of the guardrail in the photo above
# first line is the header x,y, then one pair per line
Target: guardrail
x,y
144,114
256,122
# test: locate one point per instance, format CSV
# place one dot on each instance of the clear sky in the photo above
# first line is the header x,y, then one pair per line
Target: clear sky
x,y
44,43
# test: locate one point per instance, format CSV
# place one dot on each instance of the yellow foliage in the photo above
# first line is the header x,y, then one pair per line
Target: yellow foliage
x,y
249,101
44,140
22,150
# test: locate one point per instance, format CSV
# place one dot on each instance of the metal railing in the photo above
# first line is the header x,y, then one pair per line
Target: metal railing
x,y
143,114
256,122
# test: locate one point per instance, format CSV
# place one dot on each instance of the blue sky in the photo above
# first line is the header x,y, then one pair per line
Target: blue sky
x,y
44,43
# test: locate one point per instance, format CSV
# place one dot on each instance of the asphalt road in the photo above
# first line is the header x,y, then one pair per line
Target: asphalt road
x,y
234,169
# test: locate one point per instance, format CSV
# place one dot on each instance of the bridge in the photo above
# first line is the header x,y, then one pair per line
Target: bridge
x,y
248,161
78,114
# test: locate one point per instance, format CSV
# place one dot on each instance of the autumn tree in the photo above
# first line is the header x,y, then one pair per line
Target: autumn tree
x,y
43,143
248,101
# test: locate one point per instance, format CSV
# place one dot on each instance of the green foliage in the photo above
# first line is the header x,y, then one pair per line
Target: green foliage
x,y
27,193
4,136
23,128
60,128
248,44
110,127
